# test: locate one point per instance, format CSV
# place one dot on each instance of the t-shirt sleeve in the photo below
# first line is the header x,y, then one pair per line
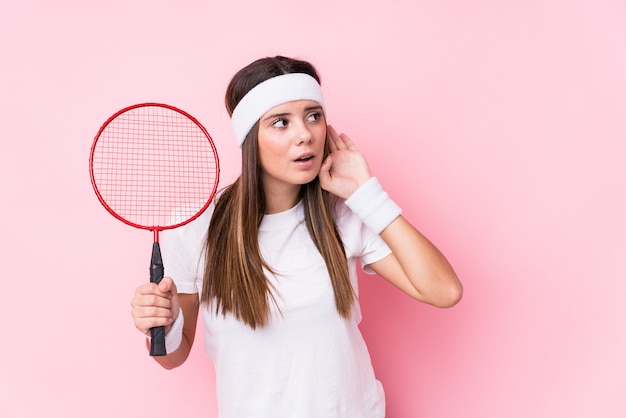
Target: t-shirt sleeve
x,y
360,241
374,249
182,250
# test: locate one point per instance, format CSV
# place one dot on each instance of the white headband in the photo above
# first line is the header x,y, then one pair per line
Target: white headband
x,y
271,93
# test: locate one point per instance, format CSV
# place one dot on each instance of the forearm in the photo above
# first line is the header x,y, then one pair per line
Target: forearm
x,y
416,266
425,267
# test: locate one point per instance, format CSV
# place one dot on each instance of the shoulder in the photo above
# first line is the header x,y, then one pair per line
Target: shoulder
x,y
357,238
349,225
344,217
195,230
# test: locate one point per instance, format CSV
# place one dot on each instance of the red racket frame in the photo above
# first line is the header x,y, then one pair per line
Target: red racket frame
x,y
156,229
156,268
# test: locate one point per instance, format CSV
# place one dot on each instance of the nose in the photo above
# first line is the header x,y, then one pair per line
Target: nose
x,y
303,135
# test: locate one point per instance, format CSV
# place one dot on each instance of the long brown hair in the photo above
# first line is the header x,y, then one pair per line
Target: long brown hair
x,y
234,279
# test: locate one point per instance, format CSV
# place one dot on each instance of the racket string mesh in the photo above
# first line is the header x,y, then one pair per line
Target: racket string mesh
x,y
154,167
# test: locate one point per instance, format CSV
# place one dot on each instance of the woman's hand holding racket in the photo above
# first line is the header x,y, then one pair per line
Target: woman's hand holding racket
x,y
155,305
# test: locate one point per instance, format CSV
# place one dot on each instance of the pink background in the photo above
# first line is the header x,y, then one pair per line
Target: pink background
x,y
499,126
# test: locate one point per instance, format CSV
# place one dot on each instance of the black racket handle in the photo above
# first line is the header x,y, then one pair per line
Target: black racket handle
x,y
157,334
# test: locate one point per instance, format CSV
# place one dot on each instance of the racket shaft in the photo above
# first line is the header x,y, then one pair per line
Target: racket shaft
x,y
157,342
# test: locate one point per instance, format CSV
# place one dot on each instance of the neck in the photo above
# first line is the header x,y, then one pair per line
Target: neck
x,y
277,201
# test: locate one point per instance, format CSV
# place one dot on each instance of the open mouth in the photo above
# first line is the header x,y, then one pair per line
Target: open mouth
x,y
304,158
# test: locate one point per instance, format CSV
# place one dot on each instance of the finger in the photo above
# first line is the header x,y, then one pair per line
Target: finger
x,y
165,288
151,308
324,174
345,139
144,312
335,140
147,288
325,168
144,324
167,285
330,142
146,317
149,295
342,141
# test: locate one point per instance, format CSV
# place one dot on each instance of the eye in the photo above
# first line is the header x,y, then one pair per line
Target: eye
x,y
314,117
280,123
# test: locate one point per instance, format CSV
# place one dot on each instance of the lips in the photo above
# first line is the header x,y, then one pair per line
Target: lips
x,y
305,157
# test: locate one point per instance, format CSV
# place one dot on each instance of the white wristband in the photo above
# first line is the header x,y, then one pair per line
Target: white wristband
x,y
174,336
373,206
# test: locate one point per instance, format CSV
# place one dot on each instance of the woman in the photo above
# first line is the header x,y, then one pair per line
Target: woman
x,y
271,265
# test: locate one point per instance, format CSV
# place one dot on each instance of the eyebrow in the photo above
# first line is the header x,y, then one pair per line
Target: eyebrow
x,y
283,114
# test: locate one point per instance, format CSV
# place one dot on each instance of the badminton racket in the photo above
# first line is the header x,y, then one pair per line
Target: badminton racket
x,y
154,167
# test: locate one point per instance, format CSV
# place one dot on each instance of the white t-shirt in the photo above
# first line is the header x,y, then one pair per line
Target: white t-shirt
x,y
308,362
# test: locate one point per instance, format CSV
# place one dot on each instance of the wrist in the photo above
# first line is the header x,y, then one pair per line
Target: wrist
x,y
373,205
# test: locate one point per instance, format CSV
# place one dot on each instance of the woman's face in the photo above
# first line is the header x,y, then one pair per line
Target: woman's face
x,y
291,144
